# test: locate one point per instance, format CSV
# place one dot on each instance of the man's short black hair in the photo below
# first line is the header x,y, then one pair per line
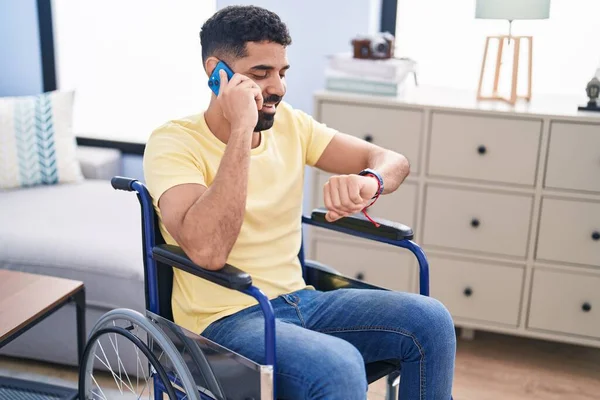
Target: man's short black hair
x,y
229,29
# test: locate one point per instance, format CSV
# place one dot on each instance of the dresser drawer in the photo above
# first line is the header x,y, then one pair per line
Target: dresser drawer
x,y
477,221
399,206
484,148
565,302
574,157
381,265
477,291
569,232
394,129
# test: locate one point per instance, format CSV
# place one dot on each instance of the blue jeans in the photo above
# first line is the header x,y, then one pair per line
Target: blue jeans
x,y
325,338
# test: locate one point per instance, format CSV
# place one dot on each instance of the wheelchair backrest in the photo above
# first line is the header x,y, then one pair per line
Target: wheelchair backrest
x,y
158,277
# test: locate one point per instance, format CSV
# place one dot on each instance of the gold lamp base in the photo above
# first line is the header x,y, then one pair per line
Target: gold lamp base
x,y
515,68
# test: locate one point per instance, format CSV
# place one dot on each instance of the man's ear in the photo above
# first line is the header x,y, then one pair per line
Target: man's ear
x,y
210,64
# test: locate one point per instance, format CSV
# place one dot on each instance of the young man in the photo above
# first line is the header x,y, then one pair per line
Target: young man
x,y
227,184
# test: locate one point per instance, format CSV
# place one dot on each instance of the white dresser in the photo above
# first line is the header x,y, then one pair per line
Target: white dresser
x,y
505,202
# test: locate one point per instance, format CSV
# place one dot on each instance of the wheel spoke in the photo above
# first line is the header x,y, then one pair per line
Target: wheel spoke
x,y
115,377
143,389
156,358
139,365
119,362
99,388
106,364
116,349
137,368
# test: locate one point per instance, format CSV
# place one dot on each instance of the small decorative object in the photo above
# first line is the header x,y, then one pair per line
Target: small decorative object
x,y
593,91
510,10
374,47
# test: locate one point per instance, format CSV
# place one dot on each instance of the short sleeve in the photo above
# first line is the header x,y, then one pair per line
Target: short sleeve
x,y
316,137
168,161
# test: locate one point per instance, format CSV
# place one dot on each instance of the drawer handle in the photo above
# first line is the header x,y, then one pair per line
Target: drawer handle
x,y
596,235
475,223
586,307
468,292
368,138
481,150
360,276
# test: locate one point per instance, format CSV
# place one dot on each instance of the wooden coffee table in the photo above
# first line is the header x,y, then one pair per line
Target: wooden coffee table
x,y
26,299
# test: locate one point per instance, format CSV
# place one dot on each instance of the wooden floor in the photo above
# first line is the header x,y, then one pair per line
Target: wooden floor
x,y
490,367
510,368
494,367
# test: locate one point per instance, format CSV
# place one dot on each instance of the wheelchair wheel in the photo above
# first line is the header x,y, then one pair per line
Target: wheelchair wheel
x,y
124,337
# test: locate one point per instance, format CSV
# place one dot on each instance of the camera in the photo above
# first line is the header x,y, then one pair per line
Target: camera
x,y
374,47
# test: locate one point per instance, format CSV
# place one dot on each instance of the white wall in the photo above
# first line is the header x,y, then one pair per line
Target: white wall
x,y
134,64
447,41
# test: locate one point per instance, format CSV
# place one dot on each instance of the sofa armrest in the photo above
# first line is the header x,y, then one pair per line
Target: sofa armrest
x,y
228,276
360,224
99,162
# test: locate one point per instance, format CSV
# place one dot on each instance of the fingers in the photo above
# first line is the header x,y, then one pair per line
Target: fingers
x,y
332,216
236,79
327,196
223,83
347,190
223,76
241,82
258,97
255,90
354,197
336,201
341,195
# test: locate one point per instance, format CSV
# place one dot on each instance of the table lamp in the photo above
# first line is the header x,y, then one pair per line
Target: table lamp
x,y
509,10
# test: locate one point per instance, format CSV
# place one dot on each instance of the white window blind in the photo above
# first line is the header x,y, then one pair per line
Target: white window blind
x,y
134,64
448,42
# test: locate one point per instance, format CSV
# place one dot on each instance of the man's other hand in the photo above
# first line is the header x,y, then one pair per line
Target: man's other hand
x,y
345,195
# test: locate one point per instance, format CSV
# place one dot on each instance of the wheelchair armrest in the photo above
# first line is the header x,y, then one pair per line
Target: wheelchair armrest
x,y
228,276
360,224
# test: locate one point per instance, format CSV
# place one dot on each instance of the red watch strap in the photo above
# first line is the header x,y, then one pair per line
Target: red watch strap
x,y
369,218
364,210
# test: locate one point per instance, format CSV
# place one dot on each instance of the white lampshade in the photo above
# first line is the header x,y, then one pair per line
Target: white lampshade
x,y
512,9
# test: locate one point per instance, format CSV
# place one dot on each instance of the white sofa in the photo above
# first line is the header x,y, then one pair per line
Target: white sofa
x,y
86,231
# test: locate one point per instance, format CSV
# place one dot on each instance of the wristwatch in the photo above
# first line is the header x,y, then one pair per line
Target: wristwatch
x,y
373,173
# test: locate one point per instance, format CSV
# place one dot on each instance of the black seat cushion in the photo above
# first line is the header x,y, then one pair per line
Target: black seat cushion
x,y
380,369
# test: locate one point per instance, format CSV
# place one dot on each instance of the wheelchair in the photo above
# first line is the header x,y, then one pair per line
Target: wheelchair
x,y
174,362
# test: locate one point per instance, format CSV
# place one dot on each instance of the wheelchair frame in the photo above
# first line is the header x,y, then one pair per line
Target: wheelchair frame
x,y
320,276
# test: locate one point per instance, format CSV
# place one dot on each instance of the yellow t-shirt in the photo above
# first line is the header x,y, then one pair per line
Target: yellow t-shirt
x,y
185,151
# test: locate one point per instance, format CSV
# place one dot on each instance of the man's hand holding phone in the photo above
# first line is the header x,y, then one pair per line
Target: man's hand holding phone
x,y
240,99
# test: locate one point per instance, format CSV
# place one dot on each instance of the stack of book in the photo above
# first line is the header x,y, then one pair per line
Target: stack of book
x,y
379,77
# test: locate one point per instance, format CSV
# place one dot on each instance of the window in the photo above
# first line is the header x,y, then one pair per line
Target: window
x,y
134,64
448,42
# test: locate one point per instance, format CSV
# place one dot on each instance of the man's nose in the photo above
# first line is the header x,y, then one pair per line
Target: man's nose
x,y
276,87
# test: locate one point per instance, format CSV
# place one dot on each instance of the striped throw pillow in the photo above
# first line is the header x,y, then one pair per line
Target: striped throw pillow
x,y
37,144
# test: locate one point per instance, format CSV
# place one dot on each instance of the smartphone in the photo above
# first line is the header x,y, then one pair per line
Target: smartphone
x,y
214,82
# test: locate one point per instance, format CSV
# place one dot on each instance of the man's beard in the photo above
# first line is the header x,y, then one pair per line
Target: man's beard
x,y
266,120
